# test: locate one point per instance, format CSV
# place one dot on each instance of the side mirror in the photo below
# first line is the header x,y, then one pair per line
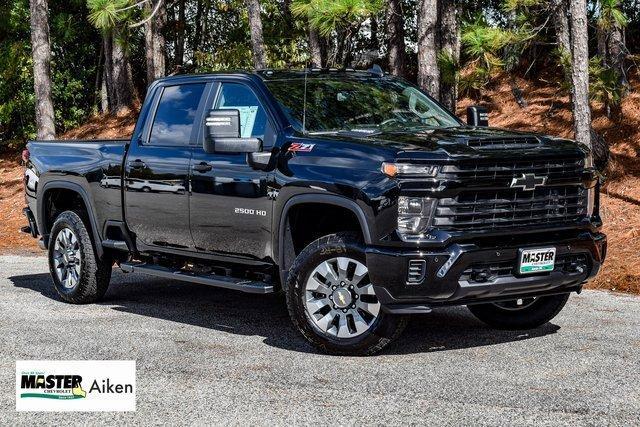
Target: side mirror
x,y
223,134
477,116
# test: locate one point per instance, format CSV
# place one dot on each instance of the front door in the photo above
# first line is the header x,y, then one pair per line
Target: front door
x,y
230,211
157,170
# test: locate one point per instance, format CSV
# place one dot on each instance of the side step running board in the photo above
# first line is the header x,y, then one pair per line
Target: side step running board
x,y
119,245
209,279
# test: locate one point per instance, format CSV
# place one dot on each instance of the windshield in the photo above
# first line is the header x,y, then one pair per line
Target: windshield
x,y
358,104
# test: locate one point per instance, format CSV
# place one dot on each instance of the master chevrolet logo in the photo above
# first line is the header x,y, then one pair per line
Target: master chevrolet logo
x,y
528,181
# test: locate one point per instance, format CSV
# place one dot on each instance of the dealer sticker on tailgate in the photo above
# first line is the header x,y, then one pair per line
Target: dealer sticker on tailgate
x,y
537,260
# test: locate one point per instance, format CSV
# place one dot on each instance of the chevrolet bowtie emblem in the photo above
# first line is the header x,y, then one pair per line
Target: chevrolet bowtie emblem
x,y
341,298
528,181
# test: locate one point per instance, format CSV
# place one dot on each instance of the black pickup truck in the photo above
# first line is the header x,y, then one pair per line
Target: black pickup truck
x,y
353,192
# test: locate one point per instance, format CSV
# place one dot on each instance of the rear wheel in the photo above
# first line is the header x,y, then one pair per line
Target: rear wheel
x,y
79,276
332,302
524,313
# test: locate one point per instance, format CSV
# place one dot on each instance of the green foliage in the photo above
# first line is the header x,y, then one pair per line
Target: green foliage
x,y
106,14
74,47
611,15
471,83
483,43
449,67
331,15
604,83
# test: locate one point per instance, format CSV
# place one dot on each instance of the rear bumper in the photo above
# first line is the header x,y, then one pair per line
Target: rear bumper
x,y
468,273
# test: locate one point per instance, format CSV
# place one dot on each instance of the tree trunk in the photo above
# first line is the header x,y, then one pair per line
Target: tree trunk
x,y
560,12
148,46
45,119
428,73
449,45
121,78
580,72
286,14
374,44
347,47
180,27
617,53
395,31
315,48
197,35
257,42
107,41
159,42
104,94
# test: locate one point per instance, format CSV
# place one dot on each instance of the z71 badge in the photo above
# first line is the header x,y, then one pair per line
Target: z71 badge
x,y
299,147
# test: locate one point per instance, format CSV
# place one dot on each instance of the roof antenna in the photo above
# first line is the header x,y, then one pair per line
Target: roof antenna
x,y
304,102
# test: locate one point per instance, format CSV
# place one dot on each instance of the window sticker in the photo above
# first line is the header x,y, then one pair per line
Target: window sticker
x,y
247,118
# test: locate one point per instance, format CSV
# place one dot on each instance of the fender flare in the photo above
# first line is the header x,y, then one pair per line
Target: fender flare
x,y
329,199
77,188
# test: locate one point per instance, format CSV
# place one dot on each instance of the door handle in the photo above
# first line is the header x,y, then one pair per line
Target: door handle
x,y
136,164
202,167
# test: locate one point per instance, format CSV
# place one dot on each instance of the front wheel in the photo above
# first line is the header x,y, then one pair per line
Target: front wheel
x,y
79,276
523,313
331,300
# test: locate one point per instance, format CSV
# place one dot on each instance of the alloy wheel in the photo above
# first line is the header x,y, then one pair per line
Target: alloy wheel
x,y
339,298
67,258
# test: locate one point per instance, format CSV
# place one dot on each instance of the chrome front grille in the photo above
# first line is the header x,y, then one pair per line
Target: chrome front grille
x,y
494,209
482,195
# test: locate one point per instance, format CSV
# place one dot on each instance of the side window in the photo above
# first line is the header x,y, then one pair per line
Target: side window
x,y
176,114
254,122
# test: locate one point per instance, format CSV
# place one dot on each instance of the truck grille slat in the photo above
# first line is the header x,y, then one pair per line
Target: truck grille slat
x,y
497,143
569,168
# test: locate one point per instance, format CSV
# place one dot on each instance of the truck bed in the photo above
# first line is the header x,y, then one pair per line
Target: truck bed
x,y
93,165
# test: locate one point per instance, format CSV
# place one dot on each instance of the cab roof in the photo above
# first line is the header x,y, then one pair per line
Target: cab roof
x,y
274,74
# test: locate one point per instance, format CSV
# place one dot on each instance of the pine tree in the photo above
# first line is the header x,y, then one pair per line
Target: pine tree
x,y
42,69
580,72
428,72
395,36
257,41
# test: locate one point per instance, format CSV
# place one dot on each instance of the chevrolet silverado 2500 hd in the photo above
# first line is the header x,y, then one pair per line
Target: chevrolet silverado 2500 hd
x,y
353,192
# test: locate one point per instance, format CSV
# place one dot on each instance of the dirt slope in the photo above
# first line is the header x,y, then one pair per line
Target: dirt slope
x,y
548,112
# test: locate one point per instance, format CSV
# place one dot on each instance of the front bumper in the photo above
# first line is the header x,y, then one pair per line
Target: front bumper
x,y
473,273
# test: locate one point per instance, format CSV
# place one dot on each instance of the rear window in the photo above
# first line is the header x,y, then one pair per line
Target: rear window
x,y
176,114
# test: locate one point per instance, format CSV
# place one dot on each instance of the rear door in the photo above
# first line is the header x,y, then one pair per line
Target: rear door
x,y
157,169
230,211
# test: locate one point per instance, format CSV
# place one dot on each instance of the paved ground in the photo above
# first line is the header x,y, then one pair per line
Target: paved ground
x,y
214,356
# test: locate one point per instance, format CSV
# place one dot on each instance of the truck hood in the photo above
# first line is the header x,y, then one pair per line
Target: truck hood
x,y
464,141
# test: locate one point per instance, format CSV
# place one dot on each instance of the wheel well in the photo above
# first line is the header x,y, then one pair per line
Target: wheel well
x,y
58,200
310,221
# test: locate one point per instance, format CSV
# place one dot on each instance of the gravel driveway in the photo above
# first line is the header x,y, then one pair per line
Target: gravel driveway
x,y
207,356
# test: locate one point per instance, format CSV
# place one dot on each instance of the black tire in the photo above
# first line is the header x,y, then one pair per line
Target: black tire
x,y
539,312
95,273
383,329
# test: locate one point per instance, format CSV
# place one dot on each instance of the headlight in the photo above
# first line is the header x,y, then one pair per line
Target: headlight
x,y
393,169
414,215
